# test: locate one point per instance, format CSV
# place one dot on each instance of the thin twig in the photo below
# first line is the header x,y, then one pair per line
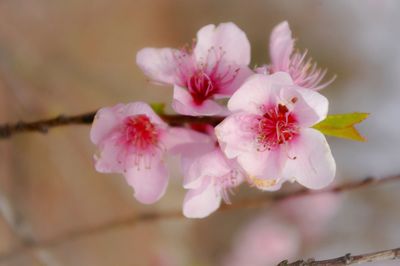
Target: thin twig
x,y
43,126
254,202
348,259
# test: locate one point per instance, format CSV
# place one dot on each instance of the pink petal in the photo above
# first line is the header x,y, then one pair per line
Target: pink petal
x,y
226,36
188,163
314,166
111,159
317,102
258,90
243,74
143,108
262,164
201,202
235,135
183,103
189,153
210,164
149,183
159,64
104,123
310,107
281,46
176,137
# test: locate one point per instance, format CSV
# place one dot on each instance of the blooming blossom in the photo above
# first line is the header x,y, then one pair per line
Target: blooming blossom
x,y
208,175
132,141
303,71
214,69
270,133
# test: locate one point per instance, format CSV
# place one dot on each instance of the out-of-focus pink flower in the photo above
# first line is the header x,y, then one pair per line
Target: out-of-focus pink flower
x,y
265,241
310,213
278,235
208,175
132,140
214,69
303,71
269,133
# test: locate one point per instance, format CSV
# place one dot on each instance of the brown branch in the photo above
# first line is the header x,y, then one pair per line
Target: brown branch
x,y
43,126
255,202
348,259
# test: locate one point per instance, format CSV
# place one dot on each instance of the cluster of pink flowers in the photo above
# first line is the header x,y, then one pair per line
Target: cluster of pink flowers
x,y
265,139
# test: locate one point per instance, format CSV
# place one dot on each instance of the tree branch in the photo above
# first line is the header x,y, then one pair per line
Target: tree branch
x,y
255,202
348,259
43,126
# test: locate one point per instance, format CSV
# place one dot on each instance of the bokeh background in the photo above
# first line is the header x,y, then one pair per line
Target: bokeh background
x,y
75,56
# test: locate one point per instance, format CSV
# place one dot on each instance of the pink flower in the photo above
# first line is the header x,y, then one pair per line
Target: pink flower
x,y
303,72
311,222
214,69
208,175
264,241
269,133
132,140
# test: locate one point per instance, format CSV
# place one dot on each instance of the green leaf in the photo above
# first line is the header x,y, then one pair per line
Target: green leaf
x,y
342,126
158,108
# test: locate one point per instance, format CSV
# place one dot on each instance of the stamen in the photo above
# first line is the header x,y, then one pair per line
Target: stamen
x,y
141,139
262,183
277,126
206,78
306,73
225,185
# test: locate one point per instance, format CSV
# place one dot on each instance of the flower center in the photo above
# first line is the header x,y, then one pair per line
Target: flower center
x,y
201,87
140,132
207,77
277,126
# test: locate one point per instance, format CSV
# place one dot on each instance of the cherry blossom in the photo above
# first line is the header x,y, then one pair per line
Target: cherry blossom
x,y
213,69
270,133
208,175
132,141
303,71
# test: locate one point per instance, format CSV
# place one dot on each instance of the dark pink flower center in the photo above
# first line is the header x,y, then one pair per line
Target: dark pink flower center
x,y
140,132
277,126
206,78
201,87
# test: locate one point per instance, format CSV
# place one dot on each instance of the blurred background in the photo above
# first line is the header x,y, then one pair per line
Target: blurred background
x,y
70,57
